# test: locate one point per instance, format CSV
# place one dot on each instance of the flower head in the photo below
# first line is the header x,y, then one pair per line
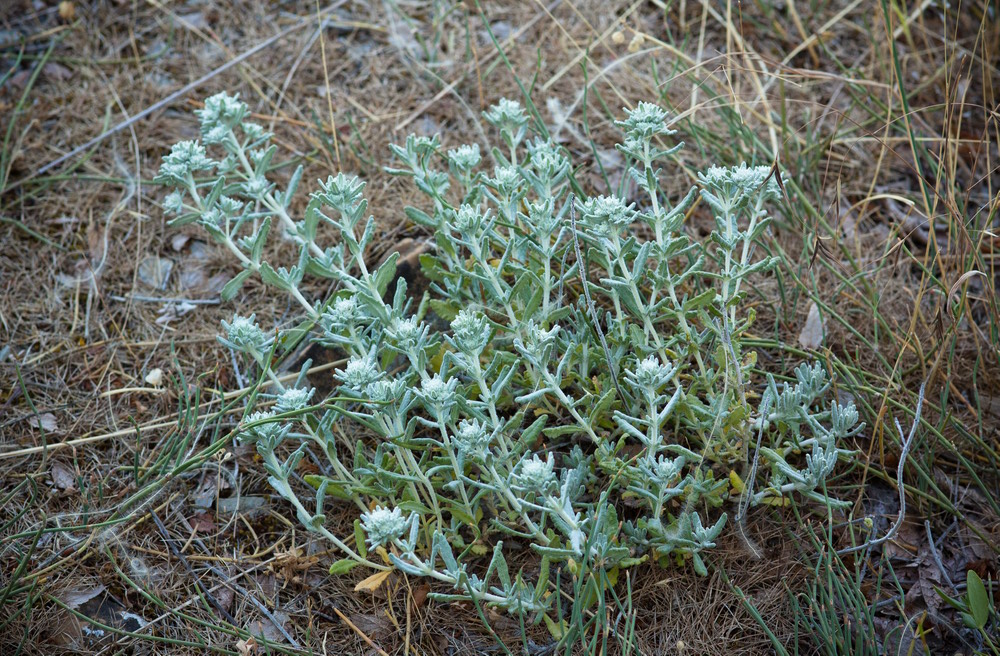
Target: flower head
x,y
506,115
506,180
185,158
607,214
383,525
542,216
438,394
464,158
734,185
535,474
221,114
293,399
470,332
406,333
341,191
244,334
467,220
548,160
266,434
650,374
471,438
359,372
645,121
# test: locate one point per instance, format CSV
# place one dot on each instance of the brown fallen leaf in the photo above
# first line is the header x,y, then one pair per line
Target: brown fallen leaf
x,y
63,477
373,582
246,647
420,595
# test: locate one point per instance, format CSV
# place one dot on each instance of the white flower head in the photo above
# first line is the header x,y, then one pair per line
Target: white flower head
x,y
542,216
465,157
608,214
470,332
344,312
506,180
468,220
535,474
406,333
383,525
471,437
359,372
547,159
736,184
268,434
341,191
650,374
645,121
437,393
293,399
506,115
185,158
220,111
244,333
174,202
385,390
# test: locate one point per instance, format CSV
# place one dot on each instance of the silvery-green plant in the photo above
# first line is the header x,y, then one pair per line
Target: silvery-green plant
x,y
591,408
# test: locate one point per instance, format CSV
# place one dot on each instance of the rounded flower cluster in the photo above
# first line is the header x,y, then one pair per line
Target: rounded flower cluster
x,y
736,184
536,475
467,220
406,333
607,214
341,191
645,121
465,157
383,525
222,112
650,374
244,334
438,394
185,159
359,373
506,180
548,160
293,399
267,434
471,438
542,216
506,115
470,332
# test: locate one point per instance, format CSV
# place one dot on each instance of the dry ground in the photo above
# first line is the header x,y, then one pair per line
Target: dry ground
x,y
885,114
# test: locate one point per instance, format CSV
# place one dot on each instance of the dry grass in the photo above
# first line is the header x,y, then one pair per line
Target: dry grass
x,y
882,122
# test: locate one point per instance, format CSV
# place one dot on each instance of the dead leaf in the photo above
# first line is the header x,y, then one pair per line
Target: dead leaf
x,y
154,271
202,523
271,631
55,71
76,598
46,421
811,336
62,476
246,647
373,582
420,595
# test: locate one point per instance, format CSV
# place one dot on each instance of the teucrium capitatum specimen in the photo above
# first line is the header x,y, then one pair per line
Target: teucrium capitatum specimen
x,y
507,422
